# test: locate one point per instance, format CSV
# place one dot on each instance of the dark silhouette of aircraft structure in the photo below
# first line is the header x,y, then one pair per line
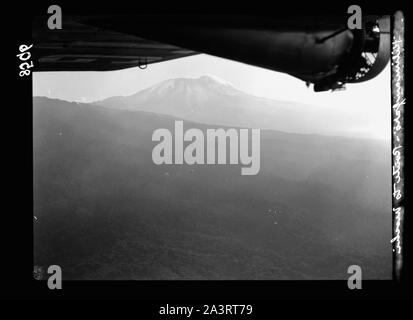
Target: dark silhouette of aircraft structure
x,y
319,50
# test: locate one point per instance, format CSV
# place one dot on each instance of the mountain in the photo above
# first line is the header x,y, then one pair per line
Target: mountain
x,y
210,100
105,211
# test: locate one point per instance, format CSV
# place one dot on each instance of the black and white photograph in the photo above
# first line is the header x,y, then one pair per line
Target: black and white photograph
x,y
188,147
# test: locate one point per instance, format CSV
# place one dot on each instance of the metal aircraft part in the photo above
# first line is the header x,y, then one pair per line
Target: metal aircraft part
x,y
318,50
81,47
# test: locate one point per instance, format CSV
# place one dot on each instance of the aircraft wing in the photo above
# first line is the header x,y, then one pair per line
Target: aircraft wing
x,y
83,47
316,49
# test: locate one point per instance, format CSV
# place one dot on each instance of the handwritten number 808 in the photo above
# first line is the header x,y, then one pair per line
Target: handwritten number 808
x,y
25,55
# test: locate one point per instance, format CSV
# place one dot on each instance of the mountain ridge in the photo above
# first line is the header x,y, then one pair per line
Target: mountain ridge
x,y
106,211
171,117
206,100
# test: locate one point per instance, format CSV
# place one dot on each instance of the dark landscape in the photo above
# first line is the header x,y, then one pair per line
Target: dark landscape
x,y
105,211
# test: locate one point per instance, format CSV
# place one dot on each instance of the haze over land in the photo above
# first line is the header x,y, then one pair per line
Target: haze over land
x,y
211,100
369,102
319,203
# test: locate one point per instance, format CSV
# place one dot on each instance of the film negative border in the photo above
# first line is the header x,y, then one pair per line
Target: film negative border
x,y
398,106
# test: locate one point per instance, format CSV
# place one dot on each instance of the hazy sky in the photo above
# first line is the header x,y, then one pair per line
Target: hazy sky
x,y
369,100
